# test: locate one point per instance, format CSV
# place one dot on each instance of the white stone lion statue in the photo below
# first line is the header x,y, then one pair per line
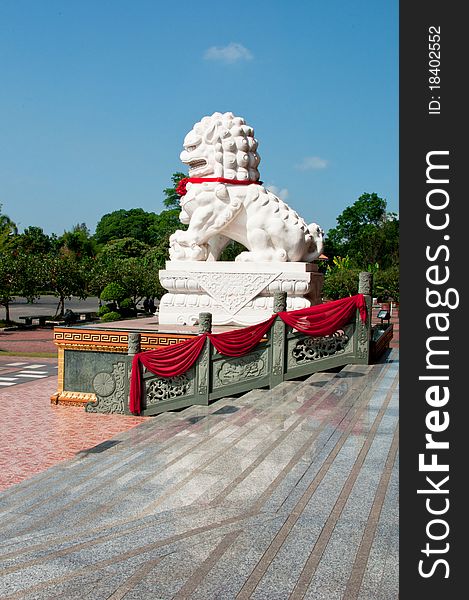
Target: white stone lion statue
x,y
224,201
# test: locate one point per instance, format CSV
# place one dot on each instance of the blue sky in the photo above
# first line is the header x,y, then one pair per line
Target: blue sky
x,y
96,97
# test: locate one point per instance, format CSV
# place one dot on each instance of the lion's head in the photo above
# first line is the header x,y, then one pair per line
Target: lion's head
x,y
221,145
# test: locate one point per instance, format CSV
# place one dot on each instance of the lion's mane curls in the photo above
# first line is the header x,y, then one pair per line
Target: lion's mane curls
x,y
234,144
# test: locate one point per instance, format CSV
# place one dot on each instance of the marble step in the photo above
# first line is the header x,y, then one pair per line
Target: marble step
x,y
201,432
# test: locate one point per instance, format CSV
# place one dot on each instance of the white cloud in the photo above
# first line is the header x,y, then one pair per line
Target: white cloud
x,y
281,193
230,54
312,163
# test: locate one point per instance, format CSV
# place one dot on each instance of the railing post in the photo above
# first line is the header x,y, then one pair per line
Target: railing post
x,y
365,287
133,348
133,343
365,283
278,341
205,323
280,301
203,372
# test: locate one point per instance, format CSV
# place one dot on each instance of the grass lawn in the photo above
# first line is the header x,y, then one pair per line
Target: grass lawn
x,y
29,354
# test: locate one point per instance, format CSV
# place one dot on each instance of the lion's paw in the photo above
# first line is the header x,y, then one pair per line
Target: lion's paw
x,y
178,252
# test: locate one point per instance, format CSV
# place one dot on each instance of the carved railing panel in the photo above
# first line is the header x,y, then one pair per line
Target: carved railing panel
x,y
305,349
163,389
232,371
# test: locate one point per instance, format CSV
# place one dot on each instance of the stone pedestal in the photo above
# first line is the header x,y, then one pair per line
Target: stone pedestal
x,y
236,293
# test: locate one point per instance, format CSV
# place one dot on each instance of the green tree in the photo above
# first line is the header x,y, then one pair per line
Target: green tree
x,y
377,244
9,277
113,292
78,241
32,275
7,227
172,199
139,277
366,233
166,223
124,248
33,241
135,223
102,270
20,275
67,276
28,250
386,285
231,251
146,227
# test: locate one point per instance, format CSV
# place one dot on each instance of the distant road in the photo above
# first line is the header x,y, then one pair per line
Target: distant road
x,y
47,305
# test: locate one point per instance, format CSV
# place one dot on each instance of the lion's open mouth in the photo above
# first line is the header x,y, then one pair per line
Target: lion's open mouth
x,y
197,163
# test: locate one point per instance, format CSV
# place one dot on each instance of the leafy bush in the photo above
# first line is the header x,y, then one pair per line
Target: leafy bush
x,y
344,282
127,308
386,285
339,263
103,310
340,284
111,316
113,291
126,304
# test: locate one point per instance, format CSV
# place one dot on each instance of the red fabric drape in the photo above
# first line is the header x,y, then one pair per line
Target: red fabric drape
x,y
319,320
181,187
324,319
240,341
165,362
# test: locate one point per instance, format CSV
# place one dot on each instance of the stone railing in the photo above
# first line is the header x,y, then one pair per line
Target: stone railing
x,y
283,355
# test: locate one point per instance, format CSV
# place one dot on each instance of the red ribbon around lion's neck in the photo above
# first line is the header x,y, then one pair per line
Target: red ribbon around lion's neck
x,y
181,188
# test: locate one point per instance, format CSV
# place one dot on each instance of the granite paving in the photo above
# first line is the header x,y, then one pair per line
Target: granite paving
x,y
283,493
35,435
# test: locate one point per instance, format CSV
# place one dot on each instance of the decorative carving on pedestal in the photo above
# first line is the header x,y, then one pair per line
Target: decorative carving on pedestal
x,y
111,390
234,290
94,340
185,282
238,294
104,384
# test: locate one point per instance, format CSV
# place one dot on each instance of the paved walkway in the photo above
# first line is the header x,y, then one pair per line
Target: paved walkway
x,y
288,493
19,370
28,340
35,435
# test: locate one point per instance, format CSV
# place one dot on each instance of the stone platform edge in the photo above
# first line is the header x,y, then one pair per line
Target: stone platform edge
x,y
236,293
108,341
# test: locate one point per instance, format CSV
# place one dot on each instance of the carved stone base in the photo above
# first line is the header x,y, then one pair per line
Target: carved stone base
x,y
236,293
72,398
